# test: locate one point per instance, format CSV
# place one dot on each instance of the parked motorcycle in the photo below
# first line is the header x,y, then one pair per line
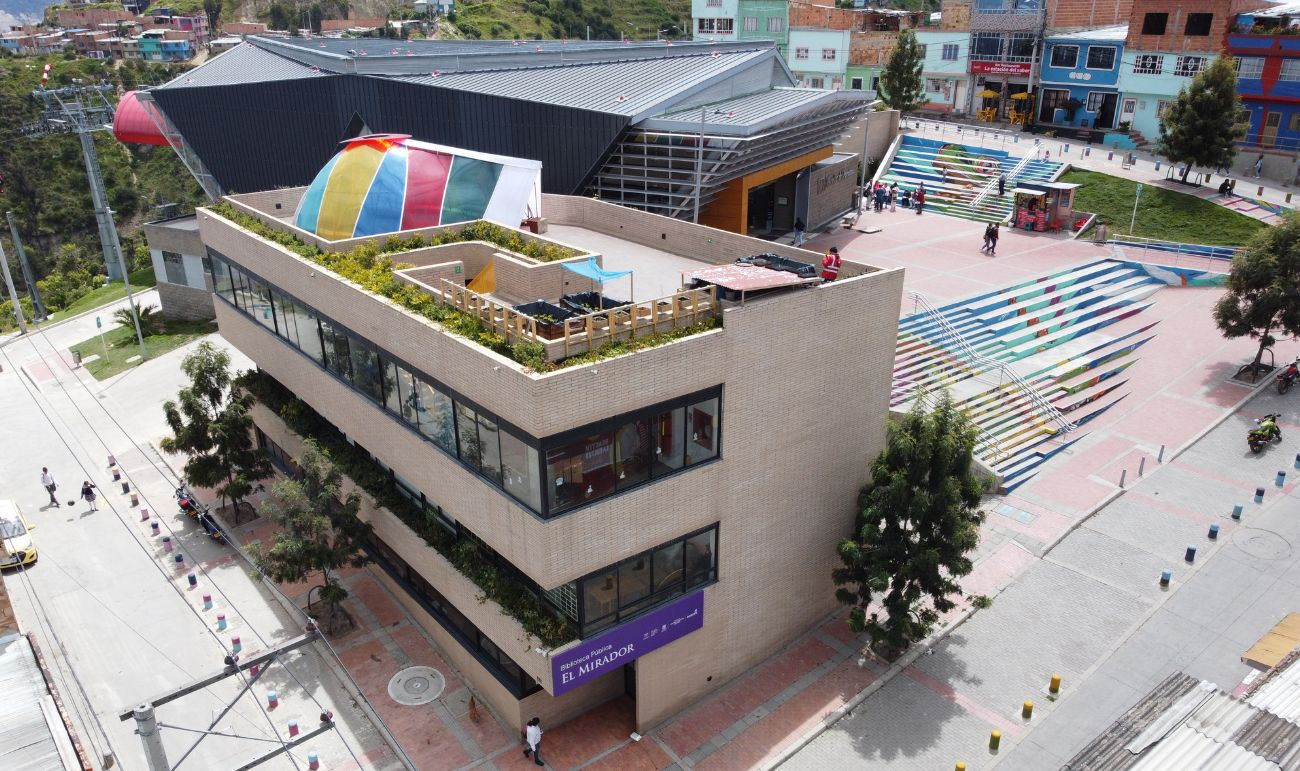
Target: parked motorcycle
x,y
1265,430
211,527
1287,377
188,506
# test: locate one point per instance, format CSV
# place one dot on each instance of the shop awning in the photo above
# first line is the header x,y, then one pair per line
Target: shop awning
x,y
593,271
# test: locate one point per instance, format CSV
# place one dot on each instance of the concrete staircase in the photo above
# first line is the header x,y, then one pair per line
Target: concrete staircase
x,y
955,175
1028,363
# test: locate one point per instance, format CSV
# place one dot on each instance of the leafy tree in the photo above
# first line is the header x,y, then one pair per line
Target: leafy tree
x,y
321,531
1201,126
900,81
210,423
1264,287
918,520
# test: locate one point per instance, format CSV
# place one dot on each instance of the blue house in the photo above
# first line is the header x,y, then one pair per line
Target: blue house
x,y
1266,48
1080,78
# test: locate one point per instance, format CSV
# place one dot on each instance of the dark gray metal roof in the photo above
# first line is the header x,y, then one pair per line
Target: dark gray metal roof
x,y
745,115
245,63
619,87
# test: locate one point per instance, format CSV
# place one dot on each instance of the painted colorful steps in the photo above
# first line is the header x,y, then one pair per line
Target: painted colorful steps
x,y
1027,417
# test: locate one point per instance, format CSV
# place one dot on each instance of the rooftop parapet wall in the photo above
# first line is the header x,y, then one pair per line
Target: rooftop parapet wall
x,y
696,242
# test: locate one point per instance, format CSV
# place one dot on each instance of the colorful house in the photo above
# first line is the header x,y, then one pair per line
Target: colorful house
x,y
1080,77
1266,46
944,70
714,19
763,20
819,57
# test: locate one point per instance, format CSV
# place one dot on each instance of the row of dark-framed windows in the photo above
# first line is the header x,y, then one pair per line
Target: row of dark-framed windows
x,y
628,452
645,581
581,466
494,660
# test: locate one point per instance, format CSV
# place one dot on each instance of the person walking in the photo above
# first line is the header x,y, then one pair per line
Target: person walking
x,y
881,195
1002,185
987,238
88,494
831,264
893,196
533,736
1259,165
798,231
993,239
920,199
50,485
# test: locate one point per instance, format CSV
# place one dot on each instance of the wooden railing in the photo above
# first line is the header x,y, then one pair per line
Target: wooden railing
x,y
588,331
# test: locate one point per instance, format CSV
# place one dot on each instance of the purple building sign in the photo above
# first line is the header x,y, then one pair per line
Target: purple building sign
x,y
592,658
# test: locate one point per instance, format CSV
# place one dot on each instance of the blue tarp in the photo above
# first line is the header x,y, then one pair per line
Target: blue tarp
x,y
594,272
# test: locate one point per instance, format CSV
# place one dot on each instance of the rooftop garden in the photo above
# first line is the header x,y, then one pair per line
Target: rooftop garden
x,y
371,267
532,612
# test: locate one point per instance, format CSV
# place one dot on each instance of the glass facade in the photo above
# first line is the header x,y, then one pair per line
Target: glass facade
x,y
637,584
578,467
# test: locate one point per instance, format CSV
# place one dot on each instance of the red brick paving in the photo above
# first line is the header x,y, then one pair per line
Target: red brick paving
x,y
586,736
644,755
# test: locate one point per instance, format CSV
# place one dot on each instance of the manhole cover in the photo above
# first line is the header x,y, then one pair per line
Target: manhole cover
x,y
1261,544
416,685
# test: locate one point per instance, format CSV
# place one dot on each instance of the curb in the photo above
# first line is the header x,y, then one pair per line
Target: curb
x,y
923,647
15,336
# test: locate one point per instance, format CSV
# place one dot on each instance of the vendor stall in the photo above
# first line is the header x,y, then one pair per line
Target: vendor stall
x,y
1044,206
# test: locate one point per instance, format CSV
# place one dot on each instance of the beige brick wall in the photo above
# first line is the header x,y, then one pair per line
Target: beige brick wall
x,y
830,191
173,239
183,302
806,377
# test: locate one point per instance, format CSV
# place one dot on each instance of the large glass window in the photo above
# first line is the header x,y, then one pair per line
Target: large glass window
x,y
519,470
261,310
338,354
1065,56
489,444
1250,67
309,339
174,265
1101,57
435,418
986,46
1290,71
365,369
1020,47
646,580
221,278
285,322
701,558
467,436
632,452
580,472
670,447
702,420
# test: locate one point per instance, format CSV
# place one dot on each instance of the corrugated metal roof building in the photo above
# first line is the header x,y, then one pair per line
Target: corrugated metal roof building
x,y
1184,723
665,127
31,736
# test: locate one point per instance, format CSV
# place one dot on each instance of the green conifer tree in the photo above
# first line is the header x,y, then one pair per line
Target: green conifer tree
x,y
900,82
1201,126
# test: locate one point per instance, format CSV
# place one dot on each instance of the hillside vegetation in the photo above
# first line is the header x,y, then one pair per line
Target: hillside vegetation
x,y
43,179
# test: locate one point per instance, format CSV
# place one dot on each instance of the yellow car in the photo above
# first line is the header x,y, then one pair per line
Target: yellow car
x,y
17,537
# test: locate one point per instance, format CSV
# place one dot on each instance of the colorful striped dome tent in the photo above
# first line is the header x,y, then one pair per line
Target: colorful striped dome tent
x,y
384,183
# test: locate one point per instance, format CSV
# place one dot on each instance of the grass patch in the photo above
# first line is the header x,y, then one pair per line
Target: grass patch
x,y
1162,214
122,345
109,293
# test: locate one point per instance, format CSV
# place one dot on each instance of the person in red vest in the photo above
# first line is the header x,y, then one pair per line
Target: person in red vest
x,y
831,264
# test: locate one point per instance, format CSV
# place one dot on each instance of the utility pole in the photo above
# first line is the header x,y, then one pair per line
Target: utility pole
x,y
83,110
13,293
37,306
146,725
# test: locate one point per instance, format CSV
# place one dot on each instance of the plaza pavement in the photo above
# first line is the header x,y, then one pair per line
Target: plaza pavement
x,y
1178,389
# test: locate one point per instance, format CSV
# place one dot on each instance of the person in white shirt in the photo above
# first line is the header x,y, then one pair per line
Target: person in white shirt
x,y
47,480
533,735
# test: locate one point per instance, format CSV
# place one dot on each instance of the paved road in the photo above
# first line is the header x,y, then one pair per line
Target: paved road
x,y
121,623
1091,610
